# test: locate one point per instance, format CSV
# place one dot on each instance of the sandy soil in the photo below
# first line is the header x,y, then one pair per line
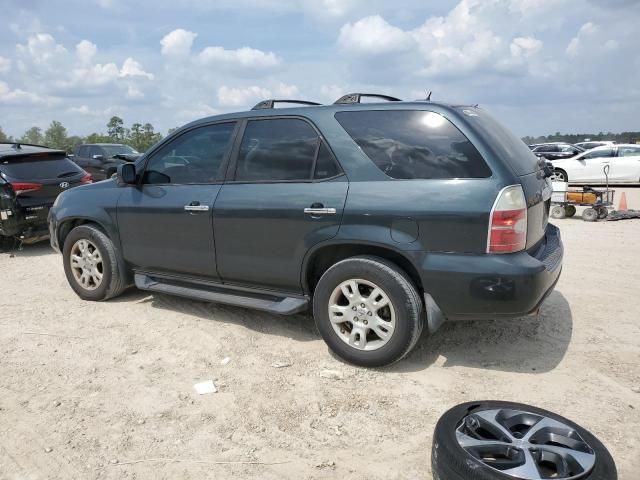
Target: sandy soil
x,y
87,387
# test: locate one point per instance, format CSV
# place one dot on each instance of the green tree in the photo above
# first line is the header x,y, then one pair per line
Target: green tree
x,y
4,137
56,136
98,138
136,137
149,137
33,135
116,130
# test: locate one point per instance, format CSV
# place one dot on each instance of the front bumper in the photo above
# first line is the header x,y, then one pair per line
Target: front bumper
x,y
493,285
53,230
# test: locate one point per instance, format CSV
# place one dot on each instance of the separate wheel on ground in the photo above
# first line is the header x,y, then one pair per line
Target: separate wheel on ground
x,y
492,440
602,212
558,212
559,176
368,311
590,214
570,210
91,264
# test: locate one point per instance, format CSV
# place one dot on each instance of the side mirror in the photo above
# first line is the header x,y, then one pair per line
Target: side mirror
x,y
98,157
127,173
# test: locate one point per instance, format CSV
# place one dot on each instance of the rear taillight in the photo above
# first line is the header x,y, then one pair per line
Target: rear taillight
x,y
508,222
87,179
25,187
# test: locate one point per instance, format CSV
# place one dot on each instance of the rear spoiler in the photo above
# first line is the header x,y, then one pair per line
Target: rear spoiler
x,y
31,156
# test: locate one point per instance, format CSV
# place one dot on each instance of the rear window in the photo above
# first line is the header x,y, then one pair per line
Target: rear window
x,y
507,145
38,169
414,144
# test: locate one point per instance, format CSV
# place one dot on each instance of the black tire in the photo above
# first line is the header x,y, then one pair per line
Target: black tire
x,y
590,214
113,272
570,211
558,212
402,293
449,461
561,175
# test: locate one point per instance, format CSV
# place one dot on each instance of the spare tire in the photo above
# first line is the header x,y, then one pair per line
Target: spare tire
x,y
494,440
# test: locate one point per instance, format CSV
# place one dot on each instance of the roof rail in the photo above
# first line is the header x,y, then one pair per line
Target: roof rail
x,y
265,104
355,98
18,145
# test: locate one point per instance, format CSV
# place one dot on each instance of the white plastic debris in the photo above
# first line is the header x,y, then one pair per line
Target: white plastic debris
x,y
225,360
204,388
283,364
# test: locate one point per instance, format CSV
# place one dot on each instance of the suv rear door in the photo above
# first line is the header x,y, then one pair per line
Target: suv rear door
x,y
165,220
285,192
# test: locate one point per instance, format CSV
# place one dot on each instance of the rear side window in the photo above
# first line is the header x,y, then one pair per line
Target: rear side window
x,y
628,151
414,144
283,149
39,169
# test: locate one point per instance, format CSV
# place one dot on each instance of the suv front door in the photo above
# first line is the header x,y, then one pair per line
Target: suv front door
x,y
262,223
165,221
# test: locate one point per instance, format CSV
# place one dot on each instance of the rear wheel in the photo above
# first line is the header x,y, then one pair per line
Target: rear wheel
x,y
590,214
570,210
92,265
368,311
558,212
559,175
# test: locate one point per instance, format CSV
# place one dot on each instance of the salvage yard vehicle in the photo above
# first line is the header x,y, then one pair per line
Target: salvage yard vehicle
x,y
383,217
555,150
587,167
31,177
101,160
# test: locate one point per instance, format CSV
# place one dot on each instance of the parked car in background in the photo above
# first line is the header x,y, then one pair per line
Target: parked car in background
x,y
588,167
593,144
382,217
555,151
101,160
31,177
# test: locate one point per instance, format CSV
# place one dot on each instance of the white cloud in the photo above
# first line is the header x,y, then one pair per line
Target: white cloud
x,y
22,97
178,43
244,57
82,110
85,51
374,35
525,46
41,48
132,68
236,97
5,64
198,111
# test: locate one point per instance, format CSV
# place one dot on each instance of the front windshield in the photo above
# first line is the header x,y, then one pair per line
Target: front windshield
x,y
119,150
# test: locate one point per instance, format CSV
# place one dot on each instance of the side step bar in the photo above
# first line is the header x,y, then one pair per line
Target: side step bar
x,y
278,305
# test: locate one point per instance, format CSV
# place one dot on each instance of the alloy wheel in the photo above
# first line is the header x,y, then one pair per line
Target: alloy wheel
x,y
86,264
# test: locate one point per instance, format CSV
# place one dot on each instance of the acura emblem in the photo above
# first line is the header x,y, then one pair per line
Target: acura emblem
x,y
64,184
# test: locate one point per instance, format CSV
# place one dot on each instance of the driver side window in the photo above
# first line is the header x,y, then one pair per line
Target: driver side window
x,y
194,157
607,152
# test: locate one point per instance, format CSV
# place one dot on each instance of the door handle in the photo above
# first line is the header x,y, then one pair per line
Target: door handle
x,y
196,207
320,211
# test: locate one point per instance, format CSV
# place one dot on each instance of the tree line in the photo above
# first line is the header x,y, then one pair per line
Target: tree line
x,y
139,136
623,137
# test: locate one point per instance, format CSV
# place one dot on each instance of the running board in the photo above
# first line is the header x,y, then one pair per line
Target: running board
x,y
267,303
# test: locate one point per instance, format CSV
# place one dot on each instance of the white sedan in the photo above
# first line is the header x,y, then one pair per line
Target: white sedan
x,y
588,167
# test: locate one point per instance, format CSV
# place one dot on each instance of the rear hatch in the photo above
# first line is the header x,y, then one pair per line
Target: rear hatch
x,y
524,164
36,179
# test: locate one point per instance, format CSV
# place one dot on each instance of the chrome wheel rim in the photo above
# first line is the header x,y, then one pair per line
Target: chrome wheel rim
x,y
361,314
557,177
525,445
86,264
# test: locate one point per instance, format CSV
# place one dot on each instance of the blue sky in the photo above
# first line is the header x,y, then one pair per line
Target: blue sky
x,y
539,65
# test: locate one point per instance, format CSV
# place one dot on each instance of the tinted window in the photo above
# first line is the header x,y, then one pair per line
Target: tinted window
x,y
599,153
326,166
37,169
94,150
82,151
112,150
507,146
414,144
547,148
194,157
277,150
628,151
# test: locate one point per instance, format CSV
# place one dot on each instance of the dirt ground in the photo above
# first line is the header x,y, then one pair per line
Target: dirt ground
x,y
105,390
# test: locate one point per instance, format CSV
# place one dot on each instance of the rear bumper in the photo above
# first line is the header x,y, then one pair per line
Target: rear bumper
x,y
24,222
493,285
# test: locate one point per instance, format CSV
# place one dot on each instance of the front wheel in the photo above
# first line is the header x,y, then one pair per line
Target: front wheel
x,y
91,264
559,176
368,311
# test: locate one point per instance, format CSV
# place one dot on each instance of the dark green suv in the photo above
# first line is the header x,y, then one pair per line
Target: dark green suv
x,y
381,217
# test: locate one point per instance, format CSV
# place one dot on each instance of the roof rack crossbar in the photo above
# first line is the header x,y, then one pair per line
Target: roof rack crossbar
x,y
356,97
265,104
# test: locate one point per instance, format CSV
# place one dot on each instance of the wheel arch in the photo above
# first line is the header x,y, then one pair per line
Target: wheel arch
x,y
319,259
69,224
